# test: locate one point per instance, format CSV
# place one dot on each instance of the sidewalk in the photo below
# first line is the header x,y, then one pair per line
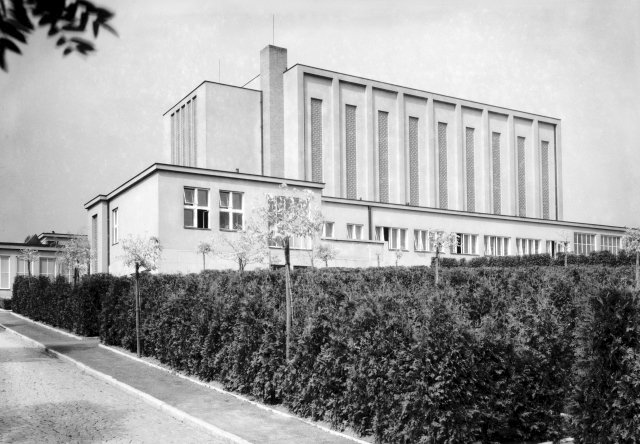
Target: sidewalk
x,y
223,415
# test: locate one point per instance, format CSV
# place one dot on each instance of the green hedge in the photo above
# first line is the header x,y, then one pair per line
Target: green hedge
x,y
605,258
491,355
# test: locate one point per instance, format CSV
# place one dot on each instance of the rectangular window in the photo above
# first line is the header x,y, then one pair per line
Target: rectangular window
x,y
196,207
4,272
610,243
23,267
420,240
466,244
470,166
395,237
495,163
496,246
383,155
351,152
94,243
583,243
114,226
48,267
527,247
354,231
327,229
443,198
183,134
414,163
231,213
522,178
316,140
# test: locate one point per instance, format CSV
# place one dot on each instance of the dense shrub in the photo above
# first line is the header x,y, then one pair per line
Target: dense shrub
x,y
489,355
605,258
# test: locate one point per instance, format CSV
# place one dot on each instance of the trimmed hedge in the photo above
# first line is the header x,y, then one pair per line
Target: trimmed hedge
x,y
605,258
489,355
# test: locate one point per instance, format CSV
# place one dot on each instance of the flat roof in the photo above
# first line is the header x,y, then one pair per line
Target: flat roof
x,y
214,83
160,167
470,103
460,213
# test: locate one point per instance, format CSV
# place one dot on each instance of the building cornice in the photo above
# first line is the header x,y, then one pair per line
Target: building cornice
x,y
162,167
458,213
392,87
205,82
21,246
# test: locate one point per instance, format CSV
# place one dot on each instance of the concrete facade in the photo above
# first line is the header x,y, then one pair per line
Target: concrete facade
x,y
387,164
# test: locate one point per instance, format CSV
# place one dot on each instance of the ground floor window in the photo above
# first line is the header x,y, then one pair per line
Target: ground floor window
x,y
23,267
327,229
527,247
354,231
196,207
395,237
583,243
610,243
496,246
4,272
48,267
466,244
421,240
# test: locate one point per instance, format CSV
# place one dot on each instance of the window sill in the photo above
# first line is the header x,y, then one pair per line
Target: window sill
x,y
465,254
228,230
196,228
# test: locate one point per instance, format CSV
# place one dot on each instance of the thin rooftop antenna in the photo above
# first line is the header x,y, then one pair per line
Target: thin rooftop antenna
x,y
273,29
219,78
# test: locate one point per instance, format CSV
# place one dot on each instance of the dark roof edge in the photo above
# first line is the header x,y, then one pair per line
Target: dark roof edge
x,y
202,83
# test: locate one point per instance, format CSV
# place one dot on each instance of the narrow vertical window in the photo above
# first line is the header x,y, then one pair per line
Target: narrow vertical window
x,y
470,167
495,162
544,160
5,277
414,163
94,243
316,140
351,152
194,148
442,165
173,138
383,155
522,179
115,228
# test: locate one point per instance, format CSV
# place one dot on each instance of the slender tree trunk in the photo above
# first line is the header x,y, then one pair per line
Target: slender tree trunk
x,y
565,256
203,262
637,270
138,309
326,263
287,283
437,265
76,275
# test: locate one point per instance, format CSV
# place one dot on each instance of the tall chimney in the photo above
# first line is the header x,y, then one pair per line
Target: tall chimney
x,y
273,63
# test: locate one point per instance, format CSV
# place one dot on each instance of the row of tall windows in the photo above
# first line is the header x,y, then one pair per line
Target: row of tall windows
x,y
183,134
351,182
49,267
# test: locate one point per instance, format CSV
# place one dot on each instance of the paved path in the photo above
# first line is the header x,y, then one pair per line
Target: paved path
x,y
224,412
44,399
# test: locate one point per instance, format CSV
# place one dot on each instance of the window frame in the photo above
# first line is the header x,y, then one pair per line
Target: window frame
x,y
324,230
115,226
606,246
195,207
583,248
27,266
230,210
48,260
395,236
524,246
354,234
505,242
8,272
464,241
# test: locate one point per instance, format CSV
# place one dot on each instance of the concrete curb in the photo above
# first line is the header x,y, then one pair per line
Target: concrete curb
x,y
161,405
235,395
57,330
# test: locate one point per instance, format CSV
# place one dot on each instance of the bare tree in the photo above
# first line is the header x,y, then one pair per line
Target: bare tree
x,y
245,247
326,252
398,255
289,214
204,248
29,255
565,242
76,254
140,253
631,243
440,242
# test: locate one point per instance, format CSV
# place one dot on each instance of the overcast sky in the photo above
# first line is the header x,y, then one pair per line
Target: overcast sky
x,y
71,128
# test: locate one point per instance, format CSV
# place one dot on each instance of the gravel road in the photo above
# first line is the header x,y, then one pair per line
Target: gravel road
x,y
46,400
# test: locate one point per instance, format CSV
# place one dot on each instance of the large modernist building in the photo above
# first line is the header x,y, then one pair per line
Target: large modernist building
x,y
386,164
